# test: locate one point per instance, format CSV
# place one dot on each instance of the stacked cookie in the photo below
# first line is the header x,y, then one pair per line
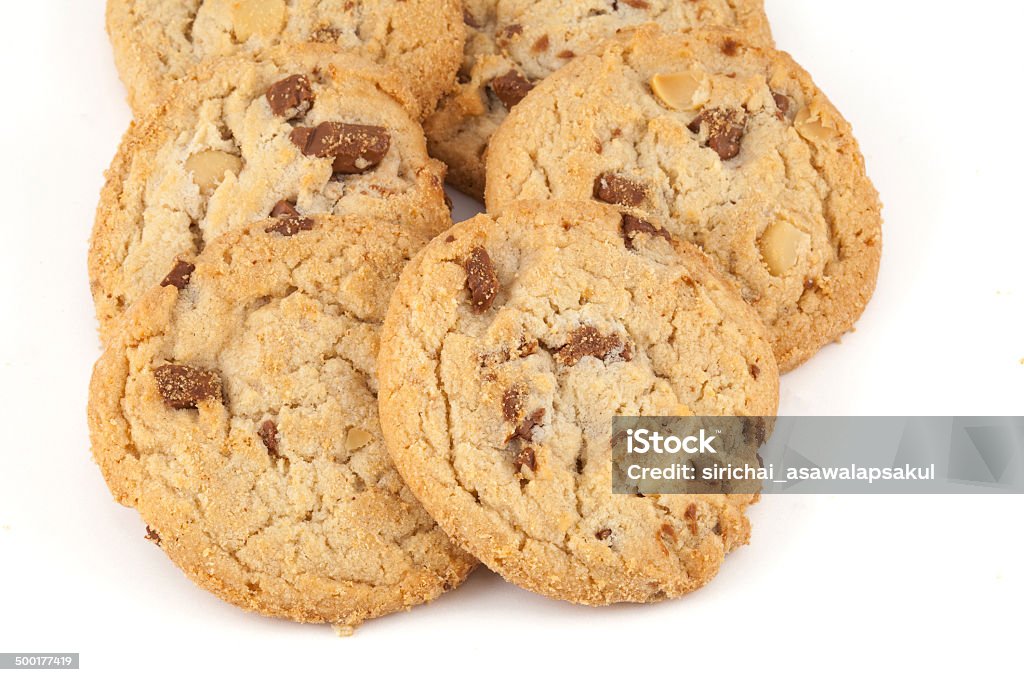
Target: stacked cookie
x,y
327,403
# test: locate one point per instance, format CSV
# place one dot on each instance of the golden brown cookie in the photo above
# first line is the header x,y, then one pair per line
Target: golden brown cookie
x,y
236,410
725,144
511,45
509,345
300,131
157,41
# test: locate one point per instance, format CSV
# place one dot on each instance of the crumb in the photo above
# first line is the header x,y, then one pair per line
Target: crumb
x,y
343,630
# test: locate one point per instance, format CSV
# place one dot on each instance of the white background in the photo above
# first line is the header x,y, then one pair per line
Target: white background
x,y
829,587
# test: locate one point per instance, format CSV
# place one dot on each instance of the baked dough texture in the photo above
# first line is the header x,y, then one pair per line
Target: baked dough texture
x,y
511,45
725,144
237,412
509,345
219,155
159,41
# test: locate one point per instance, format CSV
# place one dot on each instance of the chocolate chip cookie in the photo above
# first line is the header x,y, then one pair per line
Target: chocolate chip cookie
x,y
236,410
156,42
509,345
725,144
511,45
301,131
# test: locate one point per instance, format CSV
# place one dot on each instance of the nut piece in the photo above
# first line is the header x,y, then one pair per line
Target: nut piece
x,y
260,18
677,90
780,246
811,128
208,168
357,438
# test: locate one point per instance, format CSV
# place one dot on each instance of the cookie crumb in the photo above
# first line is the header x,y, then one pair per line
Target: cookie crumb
x,y
343,630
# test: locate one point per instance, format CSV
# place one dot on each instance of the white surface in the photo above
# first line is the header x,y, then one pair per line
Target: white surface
x,y
830,586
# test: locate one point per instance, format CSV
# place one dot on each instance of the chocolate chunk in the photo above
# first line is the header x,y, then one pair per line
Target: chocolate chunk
x,y
511,88
283,208
525,429
588,341
268,434
725,129
506,33
179,275
355,148
541,44
481,279
783,104
300,137
566,54
525,458
291,225
291,97
603,534
691,517
152,536
755,371
469,20
632,227
615,189
635,4
183,387
755,430
512,404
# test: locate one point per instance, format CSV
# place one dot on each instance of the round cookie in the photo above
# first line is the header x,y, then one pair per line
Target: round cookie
x,y
729,146
236,410
513,44
156,42
509,345
301,130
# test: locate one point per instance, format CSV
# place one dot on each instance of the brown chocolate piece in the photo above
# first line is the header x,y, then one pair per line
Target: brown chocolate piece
x,y
633,227
179,275
291,225
152,536
525,458
512,404
525,429
588,341
783,104
603,534
615,189
291,97
469,20
725,128
355,148
268,434
511,88
481,279
183,387
283,208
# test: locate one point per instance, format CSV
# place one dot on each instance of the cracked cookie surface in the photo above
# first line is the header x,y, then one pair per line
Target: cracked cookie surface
x,y
236,410
509,345
301,130
727,145
156,42
511,45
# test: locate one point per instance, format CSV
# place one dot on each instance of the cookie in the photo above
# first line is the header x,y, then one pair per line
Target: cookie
x,y
512,45
236,410
156,42
509,345
725,144
301,131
